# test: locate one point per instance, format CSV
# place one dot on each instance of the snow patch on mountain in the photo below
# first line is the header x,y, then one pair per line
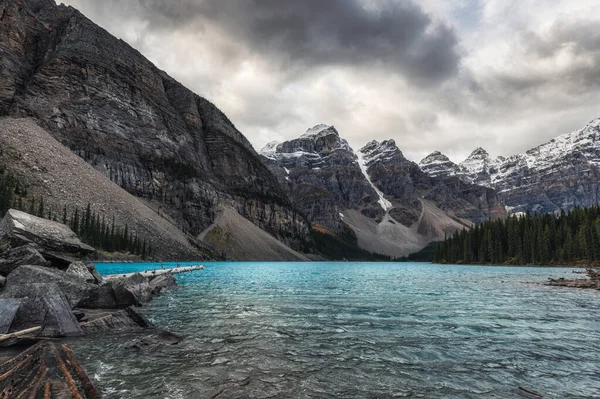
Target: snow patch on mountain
x,y
362,163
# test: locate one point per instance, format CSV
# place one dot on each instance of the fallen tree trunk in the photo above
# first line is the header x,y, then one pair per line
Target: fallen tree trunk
x,y
155,273
17,334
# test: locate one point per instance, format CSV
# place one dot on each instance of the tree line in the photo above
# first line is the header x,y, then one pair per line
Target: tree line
x,y
92,228
538,239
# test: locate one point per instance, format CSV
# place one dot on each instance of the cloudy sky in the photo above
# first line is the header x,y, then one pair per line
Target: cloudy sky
x,y
443,75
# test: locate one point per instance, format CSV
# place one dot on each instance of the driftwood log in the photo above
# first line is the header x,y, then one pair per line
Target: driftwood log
x,y
156,273
45,371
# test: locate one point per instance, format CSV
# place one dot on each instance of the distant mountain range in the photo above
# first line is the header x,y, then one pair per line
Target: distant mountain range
x,y
560,174
202,186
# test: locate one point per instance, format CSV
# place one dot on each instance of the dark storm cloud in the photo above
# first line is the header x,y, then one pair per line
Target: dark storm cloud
x,y
394,35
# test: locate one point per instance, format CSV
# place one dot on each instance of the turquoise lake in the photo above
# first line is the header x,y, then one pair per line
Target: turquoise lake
x,y
358,330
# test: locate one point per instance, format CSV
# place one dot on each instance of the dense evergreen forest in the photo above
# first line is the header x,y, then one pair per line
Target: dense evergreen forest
x,y
91,228
567,238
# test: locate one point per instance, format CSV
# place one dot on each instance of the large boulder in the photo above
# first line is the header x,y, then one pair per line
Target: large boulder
x,y
23,255
8,311
74,289
161,283
44,305
126,319
100,297
80,270
20,228
132,290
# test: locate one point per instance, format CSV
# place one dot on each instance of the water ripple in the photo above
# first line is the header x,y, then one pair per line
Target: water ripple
x,y
359,330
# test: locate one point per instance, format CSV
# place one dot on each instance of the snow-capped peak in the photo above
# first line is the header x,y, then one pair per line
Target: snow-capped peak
x,y
270,149
479,153
438,164
320,131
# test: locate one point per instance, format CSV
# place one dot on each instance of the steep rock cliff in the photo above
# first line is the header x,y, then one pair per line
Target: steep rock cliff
x,y
132,122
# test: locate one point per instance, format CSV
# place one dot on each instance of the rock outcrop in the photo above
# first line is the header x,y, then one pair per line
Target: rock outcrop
x,y
46,295
560,174
135,124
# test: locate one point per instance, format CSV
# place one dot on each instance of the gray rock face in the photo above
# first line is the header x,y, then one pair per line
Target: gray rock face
x,y
126,319
74,289
8,311
133,290
162,283
43,305
560,174
80,270
99,297
406,183
23,255
321,174
437,164
20,228
134,123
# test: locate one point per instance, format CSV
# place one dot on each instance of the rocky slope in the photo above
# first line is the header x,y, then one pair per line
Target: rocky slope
x,y
132,122
50,171
392,206
560,174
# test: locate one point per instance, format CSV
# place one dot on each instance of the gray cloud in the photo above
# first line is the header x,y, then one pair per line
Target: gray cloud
x,y
397,36
438,75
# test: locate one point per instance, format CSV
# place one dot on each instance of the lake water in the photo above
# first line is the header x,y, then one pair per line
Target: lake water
x,y
359,330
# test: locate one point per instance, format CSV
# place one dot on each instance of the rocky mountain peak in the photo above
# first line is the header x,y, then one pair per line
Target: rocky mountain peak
x,y
321,130
438,164
479,153
380,151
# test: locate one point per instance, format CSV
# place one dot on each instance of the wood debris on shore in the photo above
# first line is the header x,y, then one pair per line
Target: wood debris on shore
x,y
46,371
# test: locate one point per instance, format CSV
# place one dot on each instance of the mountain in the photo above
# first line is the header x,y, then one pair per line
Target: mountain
x,y
560,174
389,204
135,124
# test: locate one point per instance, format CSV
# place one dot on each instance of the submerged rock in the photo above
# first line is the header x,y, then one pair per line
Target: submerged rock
x,y
157,338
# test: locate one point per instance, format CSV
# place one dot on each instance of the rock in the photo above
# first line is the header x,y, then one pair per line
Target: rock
x,y
161,283
92,269
126,319
100,297
20,228
44,305
8,311
132,290
23,255
80,270
157,338
2,281
74,289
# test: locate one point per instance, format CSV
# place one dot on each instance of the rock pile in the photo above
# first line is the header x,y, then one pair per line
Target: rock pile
x,y
592,282
47,280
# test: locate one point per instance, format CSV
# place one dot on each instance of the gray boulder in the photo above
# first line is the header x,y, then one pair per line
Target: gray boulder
x,y
161,283
8,311
23,255
159,337
126,319
44,305
74,289
132,290
100,297
80,270
20,228
2,281
92,269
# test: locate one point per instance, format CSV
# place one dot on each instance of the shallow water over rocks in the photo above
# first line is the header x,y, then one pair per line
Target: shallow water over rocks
x,y
358,330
